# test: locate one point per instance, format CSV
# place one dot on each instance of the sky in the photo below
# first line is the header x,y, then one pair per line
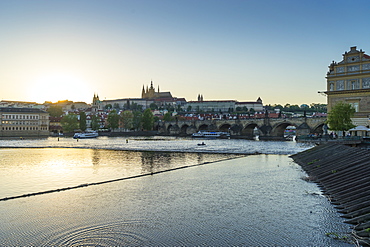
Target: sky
x,y
278,50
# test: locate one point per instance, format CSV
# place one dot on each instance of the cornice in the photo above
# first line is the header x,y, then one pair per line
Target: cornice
x,y
358,91
349,75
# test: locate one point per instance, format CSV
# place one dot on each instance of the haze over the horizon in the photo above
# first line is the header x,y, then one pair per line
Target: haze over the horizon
x,y
236,50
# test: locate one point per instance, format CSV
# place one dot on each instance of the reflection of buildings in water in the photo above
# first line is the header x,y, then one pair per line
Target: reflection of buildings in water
x,y
95,157
200,158
160,161
156,161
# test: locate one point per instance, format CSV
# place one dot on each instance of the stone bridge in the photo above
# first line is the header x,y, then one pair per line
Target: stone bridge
x,y
265,128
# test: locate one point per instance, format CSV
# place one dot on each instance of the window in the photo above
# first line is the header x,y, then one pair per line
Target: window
x,y
331,87
354,105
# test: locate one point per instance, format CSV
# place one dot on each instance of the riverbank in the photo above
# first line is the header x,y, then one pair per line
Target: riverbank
x,y
342,173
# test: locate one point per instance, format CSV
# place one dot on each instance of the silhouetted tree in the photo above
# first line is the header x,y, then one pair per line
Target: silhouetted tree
x,y
83,121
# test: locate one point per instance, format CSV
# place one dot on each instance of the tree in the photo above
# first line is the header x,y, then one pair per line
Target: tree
x,y
339,118
116,106
136,122
148,119
83,121
95,122
127,119
55,111
108,106
69,122
153,106
113,119
167,117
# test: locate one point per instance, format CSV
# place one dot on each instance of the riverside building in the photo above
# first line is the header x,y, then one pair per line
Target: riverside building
x,y
223,105
23,122
348,81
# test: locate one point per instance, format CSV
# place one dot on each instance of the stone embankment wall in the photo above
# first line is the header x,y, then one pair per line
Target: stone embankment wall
x,y
343,174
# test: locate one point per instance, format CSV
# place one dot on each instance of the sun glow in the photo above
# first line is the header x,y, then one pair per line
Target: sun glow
x,y
54,87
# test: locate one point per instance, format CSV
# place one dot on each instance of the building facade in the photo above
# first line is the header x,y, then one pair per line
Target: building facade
x,y
23,122
222,106
348,81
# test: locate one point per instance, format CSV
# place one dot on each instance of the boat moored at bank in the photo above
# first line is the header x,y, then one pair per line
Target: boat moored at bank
x,y
87,134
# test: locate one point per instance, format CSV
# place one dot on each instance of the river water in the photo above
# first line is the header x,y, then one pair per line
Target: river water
x,y
221,197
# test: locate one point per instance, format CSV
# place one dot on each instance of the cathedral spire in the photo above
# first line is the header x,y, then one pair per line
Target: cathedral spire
x,y
143,92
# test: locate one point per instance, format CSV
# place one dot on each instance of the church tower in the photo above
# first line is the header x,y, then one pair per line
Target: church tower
x,y
95,103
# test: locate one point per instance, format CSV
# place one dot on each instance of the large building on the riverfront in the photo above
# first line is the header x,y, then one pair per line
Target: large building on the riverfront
x,y
349,81
223,105
19,122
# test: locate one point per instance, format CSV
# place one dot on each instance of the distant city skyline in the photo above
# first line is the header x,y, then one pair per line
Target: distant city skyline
x,y
225,50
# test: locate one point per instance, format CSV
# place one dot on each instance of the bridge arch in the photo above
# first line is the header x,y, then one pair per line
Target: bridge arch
x,y
236,129
279,129
318,129
183,129
168,128
173,129
225,127
248,130
203,127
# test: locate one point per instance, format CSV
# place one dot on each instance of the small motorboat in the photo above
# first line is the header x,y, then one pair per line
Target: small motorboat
x,y
201,144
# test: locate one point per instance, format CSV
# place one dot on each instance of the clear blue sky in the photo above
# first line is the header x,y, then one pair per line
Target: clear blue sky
x,y
231,49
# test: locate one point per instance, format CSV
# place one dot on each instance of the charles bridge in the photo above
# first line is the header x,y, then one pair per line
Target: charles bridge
x,y
267,128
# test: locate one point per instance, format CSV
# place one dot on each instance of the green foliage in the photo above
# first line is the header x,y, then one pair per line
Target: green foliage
x,y
116,106
108,106
95,122
313,161
83,126
153,106
55,111
339,118
313,107
127,119
136,122
69,122
148,119
113,120
167,117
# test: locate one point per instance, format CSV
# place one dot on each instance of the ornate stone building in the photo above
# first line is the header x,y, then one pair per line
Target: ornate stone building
x,y
150,93
23,122
349,81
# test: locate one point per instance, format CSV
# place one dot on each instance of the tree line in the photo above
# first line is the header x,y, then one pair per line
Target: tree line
x,y
130,120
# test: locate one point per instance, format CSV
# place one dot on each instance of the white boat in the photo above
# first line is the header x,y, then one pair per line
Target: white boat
x,y
211,134
88,134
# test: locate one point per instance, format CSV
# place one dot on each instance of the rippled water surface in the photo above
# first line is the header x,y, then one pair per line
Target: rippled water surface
x,y
165,143
227,200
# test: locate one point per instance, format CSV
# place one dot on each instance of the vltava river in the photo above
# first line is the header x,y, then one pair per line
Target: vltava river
x,y
222,198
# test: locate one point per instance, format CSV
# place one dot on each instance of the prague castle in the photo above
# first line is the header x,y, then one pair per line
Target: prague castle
x,y
150,93
349,81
